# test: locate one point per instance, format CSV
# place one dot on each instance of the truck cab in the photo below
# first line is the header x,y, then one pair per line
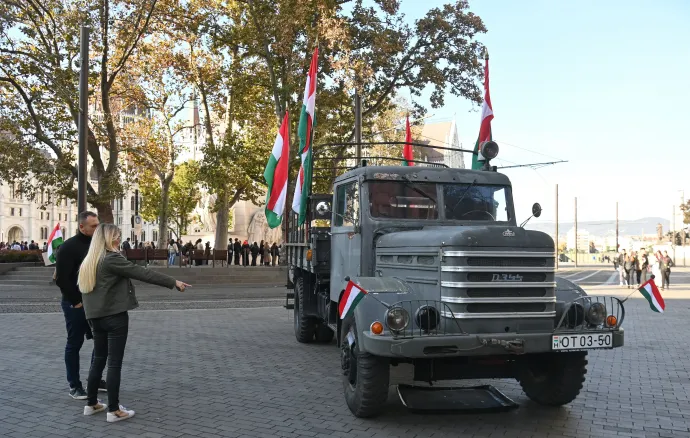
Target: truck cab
x,y
453,286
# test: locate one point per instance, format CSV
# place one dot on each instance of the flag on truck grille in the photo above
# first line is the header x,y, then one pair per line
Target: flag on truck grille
x,y
408,155
304,132
651,292
276,176
487,116
352,296
54,241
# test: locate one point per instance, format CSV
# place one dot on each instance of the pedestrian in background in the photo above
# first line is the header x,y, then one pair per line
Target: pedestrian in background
x,y
261,253
69,259
237,250
105,282
643,261
666,265
274,254
245,253
629,268
266,255
230,246
621,268
255,251
172,252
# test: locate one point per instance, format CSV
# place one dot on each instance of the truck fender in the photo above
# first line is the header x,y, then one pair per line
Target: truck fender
x,y
566,293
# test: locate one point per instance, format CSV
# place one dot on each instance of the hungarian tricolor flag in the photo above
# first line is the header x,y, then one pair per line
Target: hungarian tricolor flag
x,y
304,130
352,296
487,116
408,155
54,241
651,293
276,176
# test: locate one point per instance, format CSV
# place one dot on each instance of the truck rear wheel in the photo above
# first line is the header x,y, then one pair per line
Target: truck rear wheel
x,y
305,326
365,376
553,379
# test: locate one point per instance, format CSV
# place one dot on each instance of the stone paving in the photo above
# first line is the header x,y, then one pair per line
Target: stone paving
x,y
240,373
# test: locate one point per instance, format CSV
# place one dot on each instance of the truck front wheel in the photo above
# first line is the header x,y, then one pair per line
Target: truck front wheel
x,y
365,376
553,379
305,326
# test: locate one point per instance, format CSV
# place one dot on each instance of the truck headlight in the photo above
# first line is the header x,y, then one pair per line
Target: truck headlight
x,y
596,314
427,318
397,319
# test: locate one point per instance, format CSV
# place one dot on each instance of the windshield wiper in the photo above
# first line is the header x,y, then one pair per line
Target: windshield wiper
x,y
410,184
463,194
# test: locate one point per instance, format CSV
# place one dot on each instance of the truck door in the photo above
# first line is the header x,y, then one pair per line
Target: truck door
x,y
346,239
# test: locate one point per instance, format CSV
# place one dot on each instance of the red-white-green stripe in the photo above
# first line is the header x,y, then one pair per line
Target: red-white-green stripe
x,y
651,293
408,154
276,176
304,132
487,117
352,296
54,241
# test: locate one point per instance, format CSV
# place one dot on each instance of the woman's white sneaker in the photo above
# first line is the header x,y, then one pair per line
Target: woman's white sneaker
x,y
112,417
90,410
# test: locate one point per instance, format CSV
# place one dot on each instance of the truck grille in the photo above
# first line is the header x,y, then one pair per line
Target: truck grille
x,y
505,261
498,284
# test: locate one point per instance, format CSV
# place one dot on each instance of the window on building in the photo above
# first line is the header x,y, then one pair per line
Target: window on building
x,y
143,235
20,212
155,236
47,216
121,201
76,217
64,231
42,198
131,203
119,220
41,215
11,211
132,234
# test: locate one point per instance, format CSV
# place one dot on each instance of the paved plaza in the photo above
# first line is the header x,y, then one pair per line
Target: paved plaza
x,y
238,372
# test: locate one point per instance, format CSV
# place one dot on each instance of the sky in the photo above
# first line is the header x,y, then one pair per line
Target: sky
x,y
601,84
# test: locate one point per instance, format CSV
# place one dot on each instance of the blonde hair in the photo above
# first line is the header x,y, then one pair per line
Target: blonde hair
x,y
101,242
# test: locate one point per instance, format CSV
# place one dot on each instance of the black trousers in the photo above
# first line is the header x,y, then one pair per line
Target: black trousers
x,y
666,281
109,340
237,258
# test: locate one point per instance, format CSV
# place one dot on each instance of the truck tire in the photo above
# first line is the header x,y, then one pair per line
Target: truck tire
x,y
553,379
324,334
305,326
365,376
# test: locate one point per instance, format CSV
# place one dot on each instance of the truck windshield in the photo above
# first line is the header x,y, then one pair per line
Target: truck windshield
x,y
419,200
467,202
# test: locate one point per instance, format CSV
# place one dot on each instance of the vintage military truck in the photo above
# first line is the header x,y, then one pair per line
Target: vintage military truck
x,y
455,286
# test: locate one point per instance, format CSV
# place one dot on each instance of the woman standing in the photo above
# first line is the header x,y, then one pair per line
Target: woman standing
x,y
172,252
656,265
629,267
108,294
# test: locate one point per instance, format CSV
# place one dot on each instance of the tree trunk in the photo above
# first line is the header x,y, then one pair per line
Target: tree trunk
x,y
222,218
163,217
105,212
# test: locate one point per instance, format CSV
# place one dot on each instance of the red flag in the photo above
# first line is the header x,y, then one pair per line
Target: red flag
x,y
408,155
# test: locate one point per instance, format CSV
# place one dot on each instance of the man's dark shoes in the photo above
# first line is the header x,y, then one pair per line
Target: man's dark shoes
x,y
78,393
102,387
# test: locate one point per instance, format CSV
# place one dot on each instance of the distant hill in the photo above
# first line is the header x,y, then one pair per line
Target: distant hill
x,y
602,228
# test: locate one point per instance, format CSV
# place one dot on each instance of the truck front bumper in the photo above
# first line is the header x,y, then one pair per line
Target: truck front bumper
x,y
464,345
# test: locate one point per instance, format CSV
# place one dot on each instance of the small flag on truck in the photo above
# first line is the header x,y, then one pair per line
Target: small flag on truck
x,y
487,117
651,293
352,296
408,154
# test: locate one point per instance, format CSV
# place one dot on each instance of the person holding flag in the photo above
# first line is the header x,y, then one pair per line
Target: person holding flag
x,y
276,175
304,132
487,117
72,253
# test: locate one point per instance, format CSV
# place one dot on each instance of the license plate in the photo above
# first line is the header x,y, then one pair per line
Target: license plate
x,y
582,342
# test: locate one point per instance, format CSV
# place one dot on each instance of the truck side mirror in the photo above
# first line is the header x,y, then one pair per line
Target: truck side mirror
x,y
536,209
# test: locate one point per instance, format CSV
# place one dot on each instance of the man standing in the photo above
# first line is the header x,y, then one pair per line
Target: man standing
x,y
237,248
69,259
666,265
230,251
621,270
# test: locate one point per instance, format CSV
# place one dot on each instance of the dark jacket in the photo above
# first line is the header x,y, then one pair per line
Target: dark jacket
x,y
237,247
69,259
114,291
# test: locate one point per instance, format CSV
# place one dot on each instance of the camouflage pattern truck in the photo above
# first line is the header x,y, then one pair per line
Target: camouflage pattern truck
x,y
454,286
